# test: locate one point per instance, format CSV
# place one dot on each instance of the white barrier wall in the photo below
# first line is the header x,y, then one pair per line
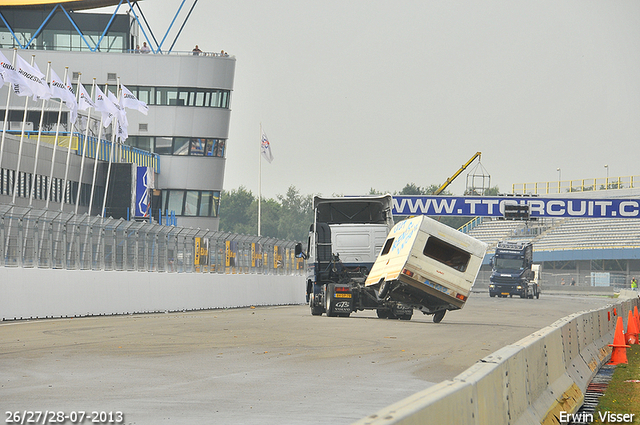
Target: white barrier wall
x,y
40,293
529,382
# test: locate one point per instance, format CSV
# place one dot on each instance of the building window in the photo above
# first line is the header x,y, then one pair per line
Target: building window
x,y
192,203
164,145
182,96
194,146
181,146
175,200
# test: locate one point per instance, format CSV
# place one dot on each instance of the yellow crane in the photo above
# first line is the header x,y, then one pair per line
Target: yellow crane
x,y
457,173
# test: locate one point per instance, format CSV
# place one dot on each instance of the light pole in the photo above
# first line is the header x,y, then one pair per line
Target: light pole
x,y
606,166
559,177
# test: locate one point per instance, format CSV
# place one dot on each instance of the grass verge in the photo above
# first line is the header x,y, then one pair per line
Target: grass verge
x,y
623,393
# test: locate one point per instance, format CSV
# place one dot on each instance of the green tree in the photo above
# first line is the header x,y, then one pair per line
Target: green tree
x,y
236,211
296,215
269,217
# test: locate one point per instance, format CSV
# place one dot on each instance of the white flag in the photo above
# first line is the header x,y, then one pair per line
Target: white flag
x,y
105,106
123,123
65,93
9,73
132,102
85,100
33,81
266,148
73,103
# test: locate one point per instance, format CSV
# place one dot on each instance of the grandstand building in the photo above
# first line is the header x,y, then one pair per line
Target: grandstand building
x,y
183,137
591,251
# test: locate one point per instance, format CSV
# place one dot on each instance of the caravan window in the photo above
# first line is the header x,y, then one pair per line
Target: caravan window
x,y
447,254
387,246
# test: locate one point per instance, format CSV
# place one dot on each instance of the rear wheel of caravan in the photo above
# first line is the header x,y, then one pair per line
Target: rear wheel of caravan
x,y
406,316
437,318
384,289
382,313
328,299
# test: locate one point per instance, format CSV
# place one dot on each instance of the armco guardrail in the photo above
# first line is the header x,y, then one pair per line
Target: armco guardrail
x,y
529,382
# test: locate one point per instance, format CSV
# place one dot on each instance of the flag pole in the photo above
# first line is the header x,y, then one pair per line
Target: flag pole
x,y
95,162
35,160
24,123
112,154
84,146
55,145
5,124
66,168
259,179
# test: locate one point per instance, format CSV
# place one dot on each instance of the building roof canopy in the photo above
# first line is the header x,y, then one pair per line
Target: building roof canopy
x,y
49,4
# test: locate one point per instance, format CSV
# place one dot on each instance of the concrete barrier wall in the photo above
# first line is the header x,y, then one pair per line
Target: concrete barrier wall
x,y
529,382
41,293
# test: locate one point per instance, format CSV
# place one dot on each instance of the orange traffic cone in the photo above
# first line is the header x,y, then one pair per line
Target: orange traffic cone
x,y
619,353
637,316
632,330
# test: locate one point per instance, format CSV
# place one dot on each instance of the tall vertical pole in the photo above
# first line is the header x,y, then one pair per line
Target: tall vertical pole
x,y
84,147
55,145
66,168
112,154
35,160
95,163
6,113
16,180
259,179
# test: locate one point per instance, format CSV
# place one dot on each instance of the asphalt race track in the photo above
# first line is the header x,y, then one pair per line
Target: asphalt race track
x,y
268,365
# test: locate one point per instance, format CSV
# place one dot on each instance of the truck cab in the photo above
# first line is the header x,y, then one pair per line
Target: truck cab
x,y
512,272
344,241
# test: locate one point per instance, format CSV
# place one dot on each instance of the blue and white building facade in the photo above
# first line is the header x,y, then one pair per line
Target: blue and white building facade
x,y
189,99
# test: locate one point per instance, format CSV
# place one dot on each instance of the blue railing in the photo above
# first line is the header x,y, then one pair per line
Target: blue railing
x,y
100,150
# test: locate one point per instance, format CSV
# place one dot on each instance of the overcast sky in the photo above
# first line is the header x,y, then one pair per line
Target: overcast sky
x,y
377,94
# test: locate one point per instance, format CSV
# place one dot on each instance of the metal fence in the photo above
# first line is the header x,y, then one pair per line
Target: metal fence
x,y
62,240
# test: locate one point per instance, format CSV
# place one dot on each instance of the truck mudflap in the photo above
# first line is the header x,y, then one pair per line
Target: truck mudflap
x,y
338,300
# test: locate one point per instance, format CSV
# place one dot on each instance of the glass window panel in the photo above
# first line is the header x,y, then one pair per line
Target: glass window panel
x,y
183,98
191,203
218,149
225,100
200,98
216,204
205,204
197,147
181,146
209,149
164,145
215,99
174,201
147,95
140,142
166,96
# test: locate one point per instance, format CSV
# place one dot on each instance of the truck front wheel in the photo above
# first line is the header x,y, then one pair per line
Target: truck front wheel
x,y
316,310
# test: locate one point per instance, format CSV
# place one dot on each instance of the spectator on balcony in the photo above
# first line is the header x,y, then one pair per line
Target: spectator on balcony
x,y
145,48
196,51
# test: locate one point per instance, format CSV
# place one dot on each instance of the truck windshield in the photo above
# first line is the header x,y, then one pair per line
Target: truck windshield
x,y
508,263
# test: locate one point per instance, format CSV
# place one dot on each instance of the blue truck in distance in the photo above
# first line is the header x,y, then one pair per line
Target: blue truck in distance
x,y
513,271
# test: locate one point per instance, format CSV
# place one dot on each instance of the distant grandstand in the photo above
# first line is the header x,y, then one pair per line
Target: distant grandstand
x,y
592,251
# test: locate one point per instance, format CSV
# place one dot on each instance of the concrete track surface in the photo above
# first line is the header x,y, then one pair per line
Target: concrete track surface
x,y
268,365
